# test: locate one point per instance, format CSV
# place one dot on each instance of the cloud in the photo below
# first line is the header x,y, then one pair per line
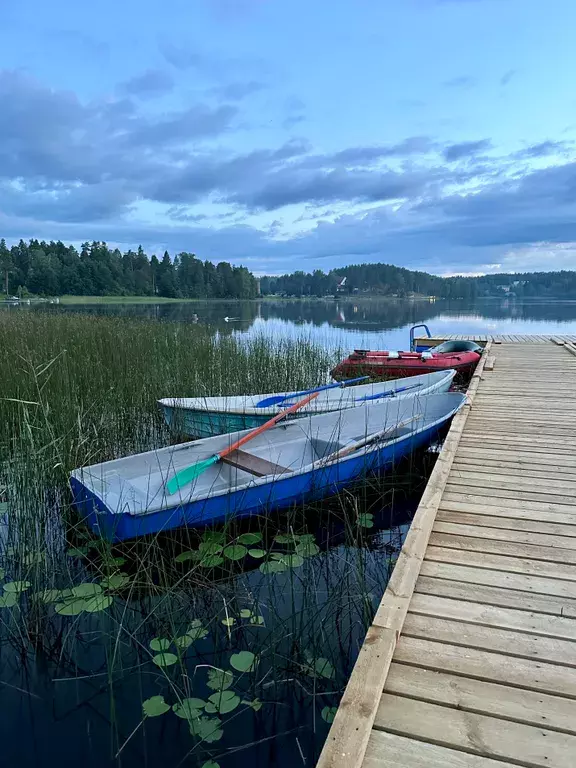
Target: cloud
x,y
464,81
544,149
87,169
507,76
455,152
153,82
237,91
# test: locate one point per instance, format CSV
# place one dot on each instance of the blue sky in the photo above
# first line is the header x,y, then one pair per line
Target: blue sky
x,y
432,134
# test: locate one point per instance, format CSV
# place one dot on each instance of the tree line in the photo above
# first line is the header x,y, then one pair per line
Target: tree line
x,y
388,280
55,269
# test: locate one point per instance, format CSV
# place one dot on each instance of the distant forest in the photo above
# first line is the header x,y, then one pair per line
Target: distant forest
x,y
388,280
56,269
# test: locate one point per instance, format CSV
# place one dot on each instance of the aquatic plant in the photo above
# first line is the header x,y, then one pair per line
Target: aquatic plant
x,y
225,636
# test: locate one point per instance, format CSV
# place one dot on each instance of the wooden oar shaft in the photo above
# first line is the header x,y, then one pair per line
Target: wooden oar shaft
x,y
348,449
270,423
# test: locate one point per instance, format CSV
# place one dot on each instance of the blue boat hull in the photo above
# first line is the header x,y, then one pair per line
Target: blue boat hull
x,y
281,492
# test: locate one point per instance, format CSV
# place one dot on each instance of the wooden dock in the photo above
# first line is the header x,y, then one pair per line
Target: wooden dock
x,y
471,658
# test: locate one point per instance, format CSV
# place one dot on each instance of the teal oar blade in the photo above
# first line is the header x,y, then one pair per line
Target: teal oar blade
x,y
186,476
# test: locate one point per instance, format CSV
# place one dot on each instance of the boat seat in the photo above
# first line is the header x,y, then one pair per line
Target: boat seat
x,y
255,465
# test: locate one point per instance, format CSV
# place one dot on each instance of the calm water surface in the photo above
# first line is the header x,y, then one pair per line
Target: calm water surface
x,y
348,323
69,697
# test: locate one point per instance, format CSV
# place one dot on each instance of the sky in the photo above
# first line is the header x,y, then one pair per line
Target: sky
x,y
437,135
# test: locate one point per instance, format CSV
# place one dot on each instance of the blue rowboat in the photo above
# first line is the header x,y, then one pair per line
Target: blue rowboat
x,y
291,463
208,416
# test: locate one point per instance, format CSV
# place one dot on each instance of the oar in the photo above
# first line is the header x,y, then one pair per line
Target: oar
x,y
378,437
186,476
387,394
275,399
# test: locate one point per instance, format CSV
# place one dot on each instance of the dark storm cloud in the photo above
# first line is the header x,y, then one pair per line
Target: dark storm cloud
x,y
153,82
465,149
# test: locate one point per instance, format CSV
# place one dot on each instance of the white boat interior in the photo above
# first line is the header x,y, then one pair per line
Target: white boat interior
x,y
328,400
136,484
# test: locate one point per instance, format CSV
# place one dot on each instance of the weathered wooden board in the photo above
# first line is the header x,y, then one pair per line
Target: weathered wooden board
x,y
468,694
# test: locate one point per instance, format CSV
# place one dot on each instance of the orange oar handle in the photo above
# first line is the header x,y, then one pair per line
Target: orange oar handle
x,y
270,423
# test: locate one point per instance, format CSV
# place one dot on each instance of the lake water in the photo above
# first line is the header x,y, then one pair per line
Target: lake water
x,y
71,696
348,323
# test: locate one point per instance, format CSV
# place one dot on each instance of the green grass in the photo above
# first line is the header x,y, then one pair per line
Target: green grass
x,y
78,389
122,300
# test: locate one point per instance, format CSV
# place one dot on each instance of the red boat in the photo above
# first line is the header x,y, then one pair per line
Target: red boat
x,y
460,355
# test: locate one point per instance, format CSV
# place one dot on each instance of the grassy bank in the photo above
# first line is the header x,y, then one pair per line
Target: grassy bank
x,y
121,300
201,648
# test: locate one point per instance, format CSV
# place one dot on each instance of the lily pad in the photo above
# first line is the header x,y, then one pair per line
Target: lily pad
x,y
190,554
164,659
16,586
293,561
8,600
273,566
219,537
307,549
210,548
51,595
210,708
211,764
229,621
183,641
114,562
249,538
159,644
256,704
207,729
257,621
257,554
219,679
188,709
116,581
197,633
71,607
211,561
77,551
98,603
245,661
321,667
329,713
235,552
303,537
225,701
155,706
245,613
366,520
86,590
285,538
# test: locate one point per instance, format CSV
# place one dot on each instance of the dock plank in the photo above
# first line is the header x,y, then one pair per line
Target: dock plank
x,y
477,734
484,698
478,666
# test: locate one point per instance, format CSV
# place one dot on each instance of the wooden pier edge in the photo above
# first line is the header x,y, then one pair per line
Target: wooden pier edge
x,y
347,740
